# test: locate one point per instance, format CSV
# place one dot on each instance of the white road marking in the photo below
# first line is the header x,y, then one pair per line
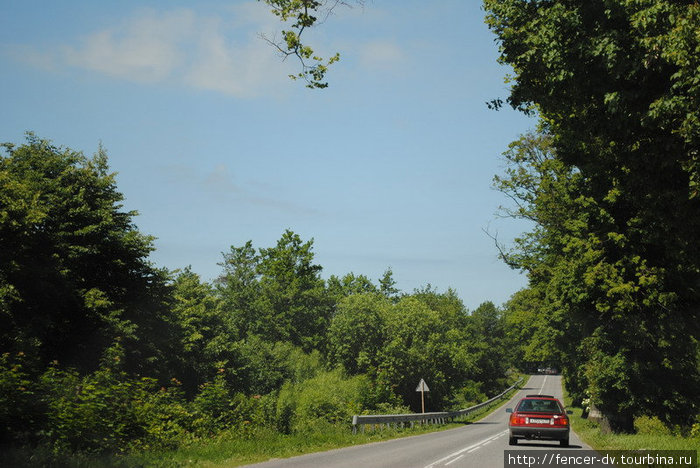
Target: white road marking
x,y
451,462
543,382
471,448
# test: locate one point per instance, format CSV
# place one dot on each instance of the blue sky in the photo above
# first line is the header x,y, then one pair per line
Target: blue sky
x,y
391,166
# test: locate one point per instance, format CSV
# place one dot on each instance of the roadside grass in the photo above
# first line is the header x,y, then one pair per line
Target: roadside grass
x,y
235,448
229,449
660,439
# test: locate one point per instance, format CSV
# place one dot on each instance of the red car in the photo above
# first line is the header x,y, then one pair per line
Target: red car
x,y
539,417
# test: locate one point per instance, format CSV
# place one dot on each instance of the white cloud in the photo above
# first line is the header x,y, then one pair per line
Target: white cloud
x,y
239,70
147,48
220,53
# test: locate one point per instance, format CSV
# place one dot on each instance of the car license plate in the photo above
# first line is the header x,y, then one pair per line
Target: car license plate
x,y
539,421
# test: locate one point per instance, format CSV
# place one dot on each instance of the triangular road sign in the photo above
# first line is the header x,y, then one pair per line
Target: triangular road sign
x,y
422,386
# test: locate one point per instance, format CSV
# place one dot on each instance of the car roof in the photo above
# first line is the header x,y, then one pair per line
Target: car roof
x,y
545,397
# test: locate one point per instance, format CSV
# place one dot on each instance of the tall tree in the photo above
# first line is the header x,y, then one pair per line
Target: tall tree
x,y
555,254
486,342
74,270
207,333
604,304
239,286
387,284
348,285
530,339
277,293
296,306
357,332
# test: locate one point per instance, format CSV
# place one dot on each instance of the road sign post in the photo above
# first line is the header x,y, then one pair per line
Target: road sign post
x,y
422,388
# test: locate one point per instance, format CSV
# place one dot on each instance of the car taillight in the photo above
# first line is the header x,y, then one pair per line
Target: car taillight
x,y
561,421
516,420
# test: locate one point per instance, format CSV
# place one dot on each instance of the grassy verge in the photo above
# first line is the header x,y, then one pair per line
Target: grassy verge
x,y
230,449
589,431
236,448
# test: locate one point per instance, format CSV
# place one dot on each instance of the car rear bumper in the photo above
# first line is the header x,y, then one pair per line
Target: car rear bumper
x,y
545,433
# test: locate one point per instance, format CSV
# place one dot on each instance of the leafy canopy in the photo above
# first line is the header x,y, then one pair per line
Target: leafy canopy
x,y
74,273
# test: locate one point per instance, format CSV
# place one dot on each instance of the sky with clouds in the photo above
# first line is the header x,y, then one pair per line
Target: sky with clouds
x,y
390,166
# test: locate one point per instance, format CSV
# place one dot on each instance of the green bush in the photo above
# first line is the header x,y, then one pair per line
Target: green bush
x,y
164,416
388,408
213,405
469,395
650,426
104,411
329,397
303,366
217,408
695,428
266,366
90,414
21,408
265,409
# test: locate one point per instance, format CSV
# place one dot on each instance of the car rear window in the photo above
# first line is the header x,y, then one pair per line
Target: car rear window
x,y
539,406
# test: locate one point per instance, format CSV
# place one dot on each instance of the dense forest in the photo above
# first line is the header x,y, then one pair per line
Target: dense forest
x,y
104,352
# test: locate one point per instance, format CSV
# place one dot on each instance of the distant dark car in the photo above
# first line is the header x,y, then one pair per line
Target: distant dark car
x,y
539,417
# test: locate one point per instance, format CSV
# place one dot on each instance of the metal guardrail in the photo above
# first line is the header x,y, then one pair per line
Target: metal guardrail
x,y
425,418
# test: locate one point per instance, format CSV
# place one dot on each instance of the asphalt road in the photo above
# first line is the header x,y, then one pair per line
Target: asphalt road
x,y
480,444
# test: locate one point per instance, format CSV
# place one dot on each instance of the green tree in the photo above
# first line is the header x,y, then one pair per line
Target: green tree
x,y
74,270
239,287
448,305
529,336
387,285
357,332
276,293
616,86
602,305
295,307
487,345
421,344
208,337
348,285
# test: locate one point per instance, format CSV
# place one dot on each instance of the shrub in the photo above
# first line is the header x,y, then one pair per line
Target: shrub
x,y
328,397
467,396
90,414
213,405
695,428
650,425
22,411
108,412
388,408
100,412
163,415
217,408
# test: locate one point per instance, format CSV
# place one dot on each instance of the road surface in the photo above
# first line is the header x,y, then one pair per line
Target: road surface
x,y
478,445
